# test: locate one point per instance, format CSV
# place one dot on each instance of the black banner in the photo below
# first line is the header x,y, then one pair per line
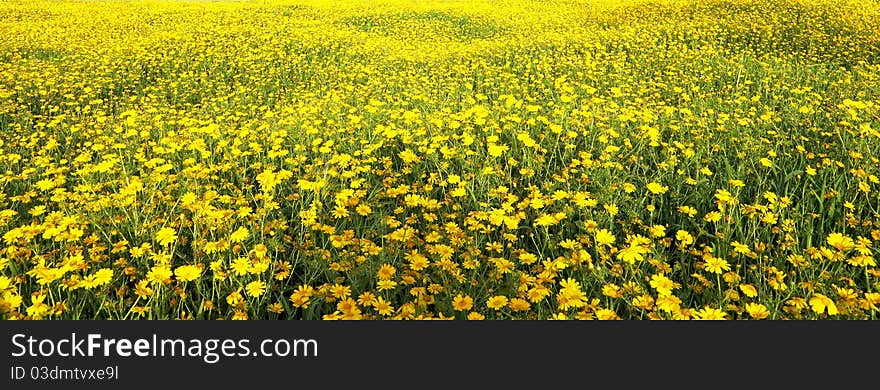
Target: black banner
x,y
294,354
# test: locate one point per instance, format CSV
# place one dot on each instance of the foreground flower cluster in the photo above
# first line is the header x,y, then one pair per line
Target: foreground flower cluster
x,y
447,160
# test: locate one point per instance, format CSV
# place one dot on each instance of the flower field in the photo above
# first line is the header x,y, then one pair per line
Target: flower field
x,y
403,159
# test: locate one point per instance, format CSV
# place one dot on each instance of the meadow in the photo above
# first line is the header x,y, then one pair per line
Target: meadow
x,y
402,159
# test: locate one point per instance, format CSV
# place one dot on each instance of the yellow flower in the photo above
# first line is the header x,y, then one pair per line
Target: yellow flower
x,y
657,188
662,284
255,289
644,302
417,261
820,303
302,295
383,307
9,301
611,208
143,290
723,196
496,150
340,291
537,293
363,210
462,302
383,285
276,308
166,236
386,272
712,216
103,276
716,265
45,185
757,311
519,304
862,261
239,235
840,241
366,299
409,157
37,210
159,274
526,139
234,298
604,237
684,237
339,211
559,317
188,199
710,313
570,295
527,258
187,273
631,254
497,302
658,231
267,179
688,210
612,290
749,290
38,309
240,266
474,316
606,315
545,220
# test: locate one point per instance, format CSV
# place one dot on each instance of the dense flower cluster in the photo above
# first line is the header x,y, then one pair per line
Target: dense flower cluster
x,y
439,159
